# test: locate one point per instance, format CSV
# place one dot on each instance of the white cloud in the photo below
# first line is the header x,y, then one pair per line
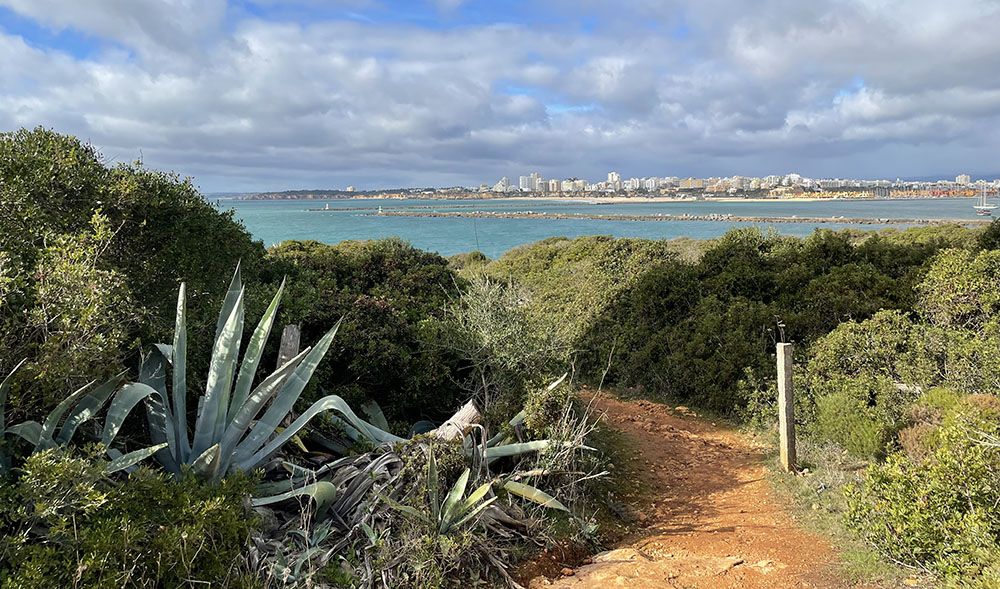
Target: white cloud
x,y
246,103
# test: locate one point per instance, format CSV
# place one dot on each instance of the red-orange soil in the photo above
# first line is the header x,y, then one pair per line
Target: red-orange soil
x,y
709,518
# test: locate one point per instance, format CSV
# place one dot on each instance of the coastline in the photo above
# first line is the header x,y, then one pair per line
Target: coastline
x,y
679,218
598,200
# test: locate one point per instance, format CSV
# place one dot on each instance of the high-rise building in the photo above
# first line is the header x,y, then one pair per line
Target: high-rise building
x,y
536,182
963,179
502,185
524,183
614,178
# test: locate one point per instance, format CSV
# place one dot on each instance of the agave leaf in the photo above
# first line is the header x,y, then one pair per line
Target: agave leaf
x,y
476,496
284,401
322,492
534,494
329,403
229,303
453,498
432,484
251,358
514,422
470,515
178,359
121,406
88,406
508,450
30,431
4,390
160,430
127,461
220,379
406,509
153,369
206,465
375,415
52,420
241,419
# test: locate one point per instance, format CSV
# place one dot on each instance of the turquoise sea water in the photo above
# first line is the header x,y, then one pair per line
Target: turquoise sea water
x,y
276,221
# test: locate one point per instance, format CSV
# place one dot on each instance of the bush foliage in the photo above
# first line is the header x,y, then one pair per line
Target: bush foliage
x,y
938,513
89,257
67,524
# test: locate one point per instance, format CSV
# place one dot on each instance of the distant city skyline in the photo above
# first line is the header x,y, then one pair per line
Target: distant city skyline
x,y
248,95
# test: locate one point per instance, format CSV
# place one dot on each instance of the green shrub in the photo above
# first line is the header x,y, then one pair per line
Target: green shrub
x,y
962,289
572,281
384,291
87,251
506,356
70,525
545,406
841,418
939,513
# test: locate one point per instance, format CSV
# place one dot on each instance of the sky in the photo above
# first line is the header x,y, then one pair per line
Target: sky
x,y
254,95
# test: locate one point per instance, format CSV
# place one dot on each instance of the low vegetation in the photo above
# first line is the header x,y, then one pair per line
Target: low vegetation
x,y
146,441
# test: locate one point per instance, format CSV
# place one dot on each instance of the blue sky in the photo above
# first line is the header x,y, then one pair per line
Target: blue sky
x,y
274,94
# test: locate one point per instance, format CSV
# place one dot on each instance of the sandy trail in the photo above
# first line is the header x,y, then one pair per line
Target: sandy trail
x,y
710,518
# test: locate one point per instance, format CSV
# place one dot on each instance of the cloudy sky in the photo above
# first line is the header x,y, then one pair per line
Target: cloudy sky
x,y
275,94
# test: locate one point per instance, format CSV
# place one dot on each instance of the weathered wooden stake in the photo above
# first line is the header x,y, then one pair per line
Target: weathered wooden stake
x,y
289,347
786,408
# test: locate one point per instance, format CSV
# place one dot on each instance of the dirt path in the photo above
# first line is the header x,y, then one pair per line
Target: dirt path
x,y
710,518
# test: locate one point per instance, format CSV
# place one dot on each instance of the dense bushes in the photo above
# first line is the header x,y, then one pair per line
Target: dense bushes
x,y
572,280
940,512
67,524
90,256
386,292
641,316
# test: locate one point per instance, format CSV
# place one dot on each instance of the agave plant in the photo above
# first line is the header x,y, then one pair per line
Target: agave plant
x,y
61,424
456,510
502,445
238,426
339,489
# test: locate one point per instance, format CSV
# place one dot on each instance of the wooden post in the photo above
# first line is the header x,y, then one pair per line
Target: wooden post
x,y
786,408
289,347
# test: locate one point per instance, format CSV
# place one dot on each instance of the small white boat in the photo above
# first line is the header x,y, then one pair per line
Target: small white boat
x,y
983,208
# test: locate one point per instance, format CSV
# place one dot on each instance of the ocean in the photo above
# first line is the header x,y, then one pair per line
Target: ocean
x,y
276,221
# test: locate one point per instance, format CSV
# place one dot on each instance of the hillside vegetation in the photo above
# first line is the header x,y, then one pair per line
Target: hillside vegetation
x,y
150,438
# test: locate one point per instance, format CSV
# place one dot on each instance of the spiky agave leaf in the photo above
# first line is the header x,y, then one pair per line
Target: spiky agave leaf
x,y
469,515
432,484
254,351
178,360
534,495
283,403
252,406
375,415
52,420
329,403
127,461
212,414
87,408
451,502
322,493
508,450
